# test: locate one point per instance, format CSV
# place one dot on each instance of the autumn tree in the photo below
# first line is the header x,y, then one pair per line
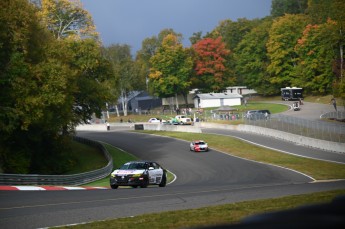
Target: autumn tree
x,y
232,32
67,18
209,64
321,12
33,90
252,60
125,73
92,72
195,37
281,7
48,86
148,49
171,69
283,37
316,57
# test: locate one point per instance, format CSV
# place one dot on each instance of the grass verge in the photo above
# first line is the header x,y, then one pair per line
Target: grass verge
x,y
223,214
83,154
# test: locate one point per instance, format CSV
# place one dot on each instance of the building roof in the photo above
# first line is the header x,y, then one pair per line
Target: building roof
x,y
218,96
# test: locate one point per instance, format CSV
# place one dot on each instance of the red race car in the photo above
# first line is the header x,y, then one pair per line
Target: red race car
x,y
198,146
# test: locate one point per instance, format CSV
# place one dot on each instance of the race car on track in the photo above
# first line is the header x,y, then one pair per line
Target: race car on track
x,y
198,145
138,173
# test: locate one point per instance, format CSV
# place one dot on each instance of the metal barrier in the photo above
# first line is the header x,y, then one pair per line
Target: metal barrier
x,y
74,179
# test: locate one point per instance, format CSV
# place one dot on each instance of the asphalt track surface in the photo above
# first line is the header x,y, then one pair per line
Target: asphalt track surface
x,y
203,179
281,145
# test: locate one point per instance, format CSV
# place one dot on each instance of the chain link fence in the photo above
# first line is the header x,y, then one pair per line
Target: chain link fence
x,y
326,129
323,130
319,129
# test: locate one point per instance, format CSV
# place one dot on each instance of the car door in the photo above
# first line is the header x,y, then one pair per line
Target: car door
x,y
155,173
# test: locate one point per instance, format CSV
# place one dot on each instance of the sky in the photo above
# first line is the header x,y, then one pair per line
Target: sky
x,y
132,21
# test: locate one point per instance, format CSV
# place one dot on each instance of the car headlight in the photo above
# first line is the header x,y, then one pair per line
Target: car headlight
x,y
112,175
137,175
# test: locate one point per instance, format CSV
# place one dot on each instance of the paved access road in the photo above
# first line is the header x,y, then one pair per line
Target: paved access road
x,y
203,179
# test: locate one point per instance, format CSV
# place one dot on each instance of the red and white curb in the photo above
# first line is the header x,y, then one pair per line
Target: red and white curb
x,y
47,188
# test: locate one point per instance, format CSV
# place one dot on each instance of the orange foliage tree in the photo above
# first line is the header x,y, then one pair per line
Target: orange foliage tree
x,y
209,64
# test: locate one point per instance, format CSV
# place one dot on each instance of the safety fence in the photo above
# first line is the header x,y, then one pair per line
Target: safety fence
x,y
74,179
336,115
318,129
323,130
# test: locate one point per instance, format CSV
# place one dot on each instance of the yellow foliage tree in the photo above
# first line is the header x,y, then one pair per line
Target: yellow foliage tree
x,y
67,18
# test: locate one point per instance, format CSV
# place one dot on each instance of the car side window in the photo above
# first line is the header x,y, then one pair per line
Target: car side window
x,y
155,165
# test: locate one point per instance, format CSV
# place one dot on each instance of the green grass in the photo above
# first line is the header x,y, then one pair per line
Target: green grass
x,y
273,108
210,216
83,155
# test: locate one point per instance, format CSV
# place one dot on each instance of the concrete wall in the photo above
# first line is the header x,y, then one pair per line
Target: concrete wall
x,y
179,128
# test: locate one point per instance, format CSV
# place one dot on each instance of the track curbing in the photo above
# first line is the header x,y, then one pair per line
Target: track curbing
x,y
47,188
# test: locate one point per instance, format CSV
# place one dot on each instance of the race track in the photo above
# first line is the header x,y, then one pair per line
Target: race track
x,y
203,179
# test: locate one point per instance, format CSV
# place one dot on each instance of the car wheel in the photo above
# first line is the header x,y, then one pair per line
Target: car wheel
x,y
145,184
164,181
114,186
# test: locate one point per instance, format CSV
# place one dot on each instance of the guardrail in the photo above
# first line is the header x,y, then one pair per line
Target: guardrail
x,y
74,179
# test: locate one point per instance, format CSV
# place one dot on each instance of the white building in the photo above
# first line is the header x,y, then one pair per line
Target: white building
x,y
242,90
216,100
231,96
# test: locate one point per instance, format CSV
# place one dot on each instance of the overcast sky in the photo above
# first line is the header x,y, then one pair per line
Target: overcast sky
x,y
131,21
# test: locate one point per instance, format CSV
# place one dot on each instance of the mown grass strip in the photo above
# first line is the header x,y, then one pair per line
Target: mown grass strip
x,y
217,215
319,170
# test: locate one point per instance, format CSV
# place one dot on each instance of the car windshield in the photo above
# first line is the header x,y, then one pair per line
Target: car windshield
x,y
134,165
199,143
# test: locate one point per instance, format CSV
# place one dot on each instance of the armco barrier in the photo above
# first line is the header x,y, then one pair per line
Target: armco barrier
x,y
74,179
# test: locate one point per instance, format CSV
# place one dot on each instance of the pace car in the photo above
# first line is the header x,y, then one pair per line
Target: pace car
x,y
198,145
138,173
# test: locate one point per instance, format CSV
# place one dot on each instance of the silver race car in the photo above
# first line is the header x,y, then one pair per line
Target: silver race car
x,y
138,173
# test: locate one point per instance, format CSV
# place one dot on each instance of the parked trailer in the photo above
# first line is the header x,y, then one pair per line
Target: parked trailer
x,y
292,93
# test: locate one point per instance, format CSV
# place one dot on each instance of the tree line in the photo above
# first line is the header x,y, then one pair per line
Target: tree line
x,y
56,74
300,44
53,77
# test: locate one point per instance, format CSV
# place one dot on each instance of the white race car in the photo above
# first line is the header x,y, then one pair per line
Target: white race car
x,y
198,145
138,173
